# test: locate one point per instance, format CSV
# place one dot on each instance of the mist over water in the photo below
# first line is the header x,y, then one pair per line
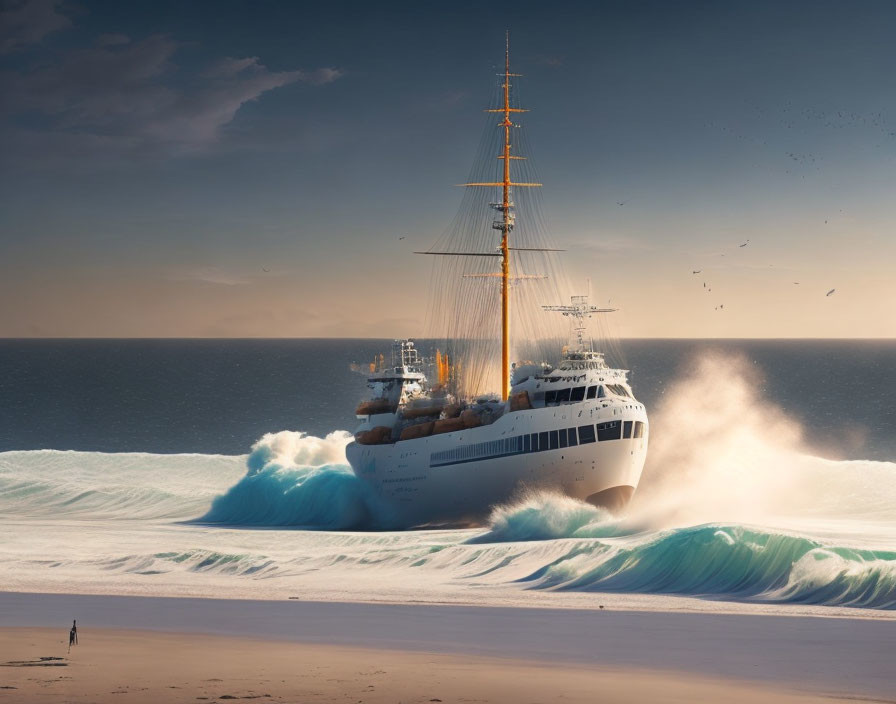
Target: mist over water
x,y
735,504
721,450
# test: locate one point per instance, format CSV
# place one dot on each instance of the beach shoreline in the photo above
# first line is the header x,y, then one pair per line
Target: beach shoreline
x,y
817,657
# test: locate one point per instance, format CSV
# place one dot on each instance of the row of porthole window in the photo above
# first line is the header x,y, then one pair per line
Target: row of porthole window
x,y
539,442
584,434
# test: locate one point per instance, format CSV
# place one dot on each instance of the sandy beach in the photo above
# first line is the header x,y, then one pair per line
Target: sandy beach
x,y
143,666
149,649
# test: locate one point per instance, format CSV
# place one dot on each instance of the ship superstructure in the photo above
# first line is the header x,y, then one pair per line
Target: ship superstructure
x,y
431,454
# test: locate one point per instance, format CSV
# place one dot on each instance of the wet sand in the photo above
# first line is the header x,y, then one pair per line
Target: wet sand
x,y
145,666
182,649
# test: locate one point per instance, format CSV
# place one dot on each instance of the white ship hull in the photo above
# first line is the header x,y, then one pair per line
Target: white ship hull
x,y
460,476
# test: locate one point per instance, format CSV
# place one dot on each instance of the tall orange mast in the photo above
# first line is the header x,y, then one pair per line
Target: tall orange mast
x,y
505,231
505,225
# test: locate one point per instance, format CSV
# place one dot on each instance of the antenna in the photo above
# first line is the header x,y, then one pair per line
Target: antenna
x,y
580,310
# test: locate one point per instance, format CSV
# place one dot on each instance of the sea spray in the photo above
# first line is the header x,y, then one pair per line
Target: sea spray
x,y
722,449
294,479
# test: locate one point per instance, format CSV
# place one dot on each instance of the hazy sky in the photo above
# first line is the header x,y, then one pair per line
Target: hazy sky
x,y
246,169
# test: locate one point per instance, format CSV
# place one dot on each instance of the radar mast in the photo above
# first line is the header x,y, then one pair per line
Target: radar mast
x,y
580,310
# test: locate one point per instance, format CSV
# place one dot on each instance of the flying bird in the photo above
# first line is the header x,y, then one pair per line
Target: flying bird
x,y
401,238
744,244
267,271
621,202
830,292
697,272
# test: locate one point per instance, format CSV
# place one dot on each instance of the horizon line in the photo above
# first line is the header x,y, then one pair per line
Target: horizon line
x,y
211,338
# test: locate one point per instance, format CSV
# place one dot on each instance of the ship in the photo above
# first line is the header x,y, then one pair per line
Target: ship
x,y
431,451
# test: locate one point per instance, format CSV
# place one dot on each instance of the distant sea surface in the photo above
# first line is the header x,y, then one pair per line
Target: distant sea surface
x,y
220,396
216,468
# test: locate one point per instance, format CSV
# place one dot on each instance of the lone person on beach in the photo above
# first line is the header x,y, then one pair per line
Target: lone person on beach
x,y
73,635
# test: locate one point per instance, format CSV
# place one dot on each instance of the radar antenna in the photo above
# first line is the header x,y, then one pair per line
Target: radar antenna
x,y
580,310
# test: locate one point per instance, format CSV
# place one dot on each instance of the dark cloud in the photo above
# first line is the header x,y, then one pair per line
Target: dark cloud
x,y
125,95
27,22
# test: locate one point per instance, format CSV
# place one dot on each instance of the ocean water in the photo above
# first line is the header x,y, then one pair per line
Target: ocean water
x,y
216,468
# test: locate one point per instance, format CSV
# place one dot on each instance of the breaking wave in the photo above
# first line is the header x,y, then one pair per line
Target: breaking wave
x,y
732,562
812,561
546,516
294,479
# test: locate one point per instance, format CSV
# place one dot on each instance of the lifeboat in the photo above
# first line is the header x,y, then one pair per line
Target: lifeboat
x,y
448,425
375,436
421,430
422,410
520,401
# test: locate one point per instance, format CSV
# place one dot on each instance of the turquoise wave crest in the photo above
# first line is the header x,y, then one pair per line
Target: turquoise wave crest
x,y
286,486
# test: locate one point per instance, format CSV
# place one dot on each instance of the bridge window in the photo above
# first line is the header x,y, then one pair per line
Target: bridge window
x,y
550,397
639,429
555,439
563,438
592,391
586,434
611,430
578,394
563,395
571,437
627,429
542,442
